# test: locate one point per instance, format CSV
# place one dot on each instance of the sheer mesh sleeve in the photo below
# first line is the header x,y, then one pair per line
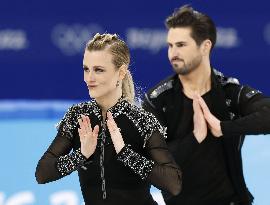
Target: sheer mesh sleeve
x,y
138,163
165,174
158,167
58,161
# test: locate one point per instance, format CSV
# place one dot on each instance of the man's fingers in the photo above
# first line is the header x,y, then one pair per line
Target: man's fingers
x,y
196,107
203,105
206,112
211,120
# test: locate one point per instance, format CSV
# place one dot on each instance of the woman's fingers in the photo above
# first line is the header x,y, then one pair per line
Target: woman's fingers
x,y
82,130
95,133
111,122
88,124
81,123
81,135
96,130
85,124
116,136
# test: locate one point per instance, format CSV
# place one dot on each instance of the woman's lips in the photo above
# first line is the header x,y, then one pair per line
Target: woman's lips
x,y
91,86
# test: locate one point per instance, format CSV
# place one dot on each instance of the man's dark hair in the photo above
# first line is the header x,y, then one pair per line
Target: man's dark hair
x,y
202,26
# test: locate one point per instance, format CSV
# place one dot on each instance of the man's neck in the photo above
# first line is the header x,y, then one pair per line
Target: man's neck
x,y
196,82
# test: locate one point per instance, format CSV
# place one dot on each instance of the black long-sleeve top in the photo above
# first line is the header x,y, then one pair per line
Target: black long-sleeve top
x,y
107,177
216,162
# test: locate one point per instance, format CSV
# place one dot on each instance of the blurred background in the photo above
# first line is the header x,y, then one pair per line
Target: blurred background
x,y
41,75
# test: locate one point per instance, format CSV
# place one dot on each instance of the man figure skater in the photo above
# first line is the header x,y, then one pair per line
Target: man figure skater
x,y
206,115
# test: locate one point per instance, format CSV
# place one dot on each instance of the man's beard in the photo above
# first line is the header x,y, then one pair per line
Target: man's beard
x,y
187,67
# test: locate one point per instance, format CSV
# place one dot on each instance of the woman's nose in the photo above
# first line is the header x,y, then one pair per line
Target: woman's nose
x,y
89,76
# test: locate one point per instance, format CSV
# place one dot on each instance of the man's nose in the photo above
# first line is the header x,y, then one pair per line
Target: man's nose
x,y
174,51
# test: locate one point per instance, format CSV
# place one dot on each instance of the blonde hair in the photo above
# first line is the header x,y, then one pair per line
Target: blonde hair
x,y
120,56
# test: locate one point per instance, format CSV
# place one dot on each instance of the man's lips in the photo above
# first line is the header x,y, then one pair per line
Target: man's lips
x,y
176,60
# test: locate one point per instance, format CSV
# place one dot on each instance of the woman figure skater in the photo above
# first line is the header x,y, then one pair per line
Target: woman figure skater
x,y
117,148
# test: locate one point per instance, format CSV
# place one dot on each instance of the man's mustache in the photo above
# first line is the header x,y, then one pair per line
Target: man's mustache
x,y
176,59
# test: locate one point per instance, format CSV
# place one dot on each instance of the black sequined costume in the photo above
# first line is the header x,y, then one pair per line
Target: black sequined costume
x,y
107,177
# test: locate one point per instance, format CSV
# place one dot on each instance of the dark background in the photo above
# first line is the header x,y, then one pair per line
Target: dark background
x,y
42,42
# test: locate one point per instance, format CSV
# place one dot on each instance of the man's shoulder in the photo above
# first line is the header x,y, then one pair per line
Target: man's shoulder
x,y
234,91
225,80
161,88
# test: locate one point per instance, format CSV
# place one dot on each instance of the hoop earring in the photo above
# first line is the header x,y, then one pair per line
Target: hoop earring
x,y
118,83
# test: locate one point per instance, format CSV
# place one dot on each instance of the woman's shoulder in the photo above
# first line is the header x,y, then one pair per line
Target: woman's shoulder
x,y
70,119
80,107
142,113
145,122
75,110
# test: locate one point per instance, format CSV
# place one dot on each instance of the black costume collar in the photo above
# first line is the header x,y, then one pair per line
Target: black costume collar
x,y
119,106
177,85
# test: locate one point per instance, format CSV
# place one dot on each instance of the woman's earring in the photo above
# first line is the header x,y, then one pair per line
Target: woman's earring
x,y
118,83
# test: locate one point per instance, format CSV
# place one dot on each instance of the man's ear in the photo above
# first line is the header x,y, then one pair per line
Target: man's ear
x,y
206,47
122,71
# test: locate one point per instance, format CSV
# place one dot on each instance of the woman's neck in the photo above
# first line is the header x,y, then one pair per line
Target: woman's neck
x,y
108,101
